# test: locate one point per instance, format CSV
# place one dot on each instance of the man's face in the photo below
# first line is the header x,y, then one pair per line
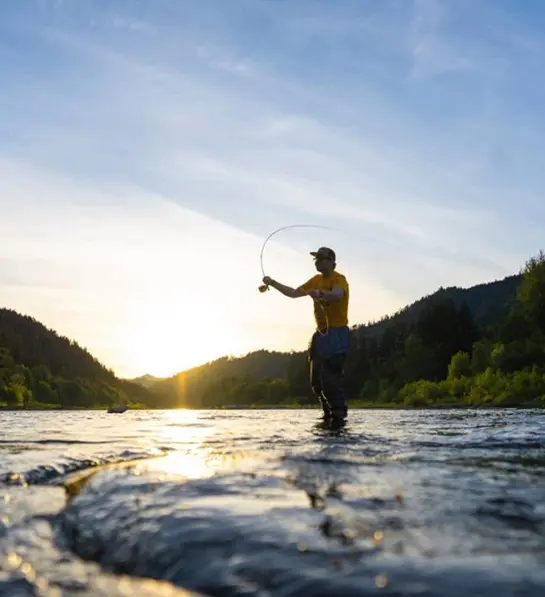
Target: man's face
x,y
322,264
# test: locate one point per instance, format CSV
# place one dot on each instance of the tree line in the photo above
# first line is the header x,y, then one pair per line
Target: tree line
x,y
479,346
38,367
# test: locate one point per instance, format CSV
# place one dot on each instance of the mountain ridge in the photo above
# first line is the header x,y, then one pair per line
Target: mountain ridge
x,y
39,365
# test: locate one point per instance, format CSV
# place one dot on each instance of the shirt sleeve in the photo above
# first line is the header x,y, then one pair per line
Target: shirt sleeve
x,y
310,283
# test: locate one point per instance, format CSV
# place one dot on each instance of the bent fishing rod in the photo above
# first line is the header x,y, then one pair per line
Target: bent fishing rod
x,y
265,287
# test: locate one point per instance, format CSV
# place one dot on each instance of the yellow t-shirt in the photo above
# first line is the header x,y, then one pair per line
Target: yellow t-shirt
x,y
336,312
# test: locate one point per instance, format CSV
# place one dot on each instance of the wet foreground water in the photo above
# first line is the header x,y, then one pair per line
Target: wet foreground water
x,y
265,503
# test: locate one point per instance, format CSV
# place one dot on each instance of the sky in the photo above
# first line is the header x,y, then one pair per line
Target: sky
x,y
147,150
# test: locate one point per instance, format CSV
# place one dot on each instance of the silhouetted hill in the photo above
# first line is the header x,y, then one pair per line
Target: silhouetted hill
x,y
192,386
488,302
147,381
37,365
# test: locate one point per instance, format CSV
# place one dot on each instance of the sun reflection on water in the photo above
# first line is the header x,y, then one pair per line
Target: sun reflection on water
x,y
200,447
188,464
186,433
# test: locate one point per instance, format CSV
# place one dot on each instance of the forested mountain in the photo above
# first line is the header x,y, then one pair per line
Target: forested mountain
x,y
488,303
39,366
148,381
416,343
259,375
485,343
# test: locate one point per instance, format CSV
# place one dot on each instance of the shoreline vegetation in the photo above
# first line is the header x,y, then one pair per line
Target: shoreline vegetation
x,y
482,347
353,405
358,405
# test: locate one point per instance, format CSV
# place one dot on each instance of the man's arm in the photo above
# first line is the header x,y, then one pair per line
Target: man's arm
x,y
288,290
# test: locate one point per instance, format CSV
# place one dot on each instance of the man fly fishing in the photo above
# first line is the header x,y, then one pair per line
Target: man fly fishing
x,y
329,344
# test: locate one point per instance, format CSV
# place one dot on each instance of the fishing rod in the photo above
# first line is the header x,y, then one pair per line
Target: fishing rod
x,y
265,287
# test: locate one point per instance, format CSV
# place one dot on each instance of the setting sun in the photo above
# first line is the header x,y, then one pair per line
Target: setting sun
x,y
166,338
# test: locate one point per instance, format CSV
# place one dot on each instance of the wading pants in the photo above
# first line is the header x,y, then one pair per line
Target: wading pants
x,y
327,375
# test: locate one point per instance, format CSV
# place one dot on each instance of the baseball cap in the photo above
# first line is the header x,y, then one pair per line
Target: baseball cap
x,y
325,253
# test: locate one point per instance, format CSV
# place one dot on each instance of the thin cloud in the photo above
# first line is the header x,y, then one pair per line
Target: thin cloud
x,y
433,53
136,25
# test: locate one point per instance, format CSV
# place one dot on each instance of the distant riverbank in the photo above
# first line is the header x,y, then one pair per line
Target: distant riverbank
x,y
378,406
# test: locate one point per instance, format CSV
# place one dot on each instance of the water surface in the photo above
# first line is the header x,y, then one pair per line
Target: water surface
x,y
265,503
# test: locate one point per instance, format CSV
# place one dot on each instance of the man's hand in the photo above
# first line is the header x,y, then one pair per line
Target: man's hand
x,y
327,296
282,288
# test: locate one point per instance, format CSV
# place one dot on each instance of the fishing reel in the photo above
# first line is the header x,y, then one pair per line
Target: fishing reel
x,y
263,288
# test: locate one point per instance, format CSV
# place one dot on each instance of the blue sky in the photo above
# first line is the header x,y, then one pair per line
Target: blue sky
x,y
148,148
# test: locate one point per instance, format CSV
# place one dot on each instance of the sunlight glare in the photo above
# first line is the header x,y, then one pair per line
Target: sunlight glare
x,y
186,433
167,336
189,434
187,464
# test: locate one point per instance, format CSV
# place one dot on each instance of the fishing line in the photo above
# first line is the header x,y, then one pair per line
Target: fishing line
x,y
265,287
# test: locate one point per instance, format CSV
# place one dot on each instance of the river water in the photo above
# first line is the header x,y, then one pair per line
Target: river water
x,y
265,503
